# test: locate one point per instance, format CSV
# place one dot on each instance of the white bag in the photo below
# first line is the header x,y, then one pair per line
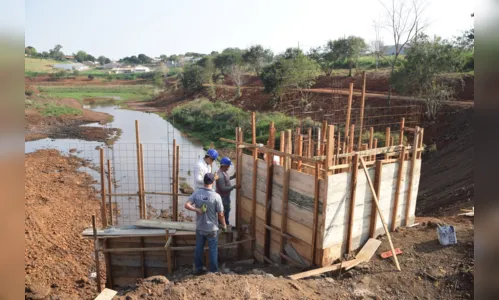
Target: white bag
x,y
446,235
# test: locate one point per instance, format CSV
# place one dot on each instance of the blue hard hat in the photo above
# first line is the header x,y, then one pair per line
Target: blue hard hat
x,y
225,161
212,153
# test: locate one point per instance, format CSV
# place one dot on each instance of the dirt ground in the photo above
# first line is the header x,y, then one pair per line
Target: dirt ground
x,y
429,271
59,204
38,126
81,80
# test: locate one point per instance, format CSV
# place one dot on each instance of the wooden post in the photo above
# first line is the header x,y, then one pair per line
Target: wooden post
x,y
103,189
352,136
401,135
109,187
309,135
371,137
137,141
400,173
362,104
96,253
411,174
177,171
174,187
349,110
318,148
299,152
375,147
329,150
353,192
285,190
392,141
109,272
281,148
142,184
338,148
255,173
377,185
323,131
169,255
315,224
375,198
420,145
387,140
268,198
142,258
238,182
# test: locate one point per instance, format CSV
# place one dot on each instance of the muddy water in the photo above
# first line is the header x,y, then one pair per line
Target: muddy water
x,y
156,135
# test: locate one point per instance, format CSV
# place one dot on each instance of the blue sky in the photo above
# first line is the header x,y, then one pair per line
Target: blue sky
x,y
118,28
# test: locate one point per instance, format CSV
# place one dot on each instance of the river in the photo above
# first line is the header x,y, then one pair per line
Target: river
x,y
156,135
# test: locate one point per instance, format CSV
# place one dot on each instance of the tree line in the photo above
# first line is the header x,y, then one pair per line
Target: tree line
x,y
56,54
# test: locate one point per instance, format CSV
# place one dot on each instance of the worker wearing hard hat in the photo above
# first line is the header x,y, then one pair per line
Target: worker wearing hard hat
x,y
224,187
203,166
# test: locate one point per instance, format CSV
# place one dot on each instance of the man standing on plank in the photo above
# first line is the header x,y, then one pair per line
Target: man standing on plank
x,y
209,210
203,166
224,187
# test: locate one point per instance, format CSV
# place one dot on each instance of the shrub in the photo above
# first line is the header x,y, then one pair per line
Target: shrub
x,y
28,92
55,110
192,78
91,76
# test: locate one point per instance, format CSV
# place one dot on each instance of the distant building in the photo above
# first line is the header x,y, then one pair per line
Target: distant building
x,y
390,50
141,69
71,67
112,65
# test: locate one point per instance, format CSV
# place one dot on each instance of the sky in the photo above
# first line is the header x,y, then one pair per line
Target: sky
x,y
119,28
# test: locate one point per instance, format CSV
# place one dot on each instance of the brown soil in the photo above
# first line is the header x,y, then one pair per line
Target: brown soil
x,y
59,204
429,271
38,126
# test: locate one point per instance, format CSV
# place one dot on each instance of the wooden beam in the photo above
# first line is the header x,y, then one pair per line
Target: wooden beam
x,y
285,189
137,142
401,134
362,105
142,258
352,136
106,294
375,198
329,149
281,147
278,231
96,253
103,189
299,152
168,253
349,111
411,175
387,140
110,187
188,226
375,147
309,145
107,258
174,182
315,224
400,173
238,182
377,186
172,248
420,144
268,196
353,192
142,183
255,169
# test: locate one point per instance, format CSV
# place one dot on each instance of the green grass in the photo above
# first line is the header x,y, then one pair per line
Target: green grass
x,y
52,109
209,121
38,65
124,92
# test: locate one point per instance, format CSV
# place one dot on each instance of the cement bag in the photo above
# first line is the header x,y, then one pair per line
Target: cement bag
x,y
446,235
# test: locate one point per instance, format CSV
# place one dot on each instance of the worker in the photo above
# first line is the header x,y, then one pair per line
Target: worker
x,y
203,166
208,206
224,187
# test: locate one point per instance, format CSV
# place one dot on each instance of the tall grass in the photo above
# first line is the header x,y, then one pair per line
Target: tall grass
x,y
124,92
52,109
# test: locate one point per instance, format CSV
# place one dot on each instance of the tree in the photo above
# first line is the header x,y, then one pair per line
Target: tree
x,y
192,78
89,58
30,51
423,63
229,57
174,58
45,54
348,50
295,72
163,58
144,59
56,53
81,56
103,60
257,57
466,41
404,22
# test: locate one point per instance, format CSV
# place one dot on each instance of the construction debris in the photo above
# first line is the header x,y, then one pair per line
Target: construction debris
x,y
446,235
107,294
389,253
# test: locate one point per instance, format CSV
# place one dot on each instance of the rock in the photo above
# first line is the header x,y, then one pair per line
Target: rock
x,y
329,279
157,279
36,291
54,285
364,267
269,275
131,297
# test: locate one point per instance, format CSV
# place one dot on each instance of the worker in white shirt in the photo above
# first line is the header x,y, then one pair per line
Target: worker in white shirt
x,y
203,166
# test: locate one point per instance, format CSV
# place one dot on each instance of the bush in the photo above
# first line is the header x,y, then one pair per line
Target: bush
x,y
55,110
110,77
91,76
28,92
192,78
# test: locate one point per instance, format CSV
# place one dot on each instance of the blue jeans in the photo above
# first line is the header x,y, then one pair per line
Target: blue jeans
x,y
201,238
226,203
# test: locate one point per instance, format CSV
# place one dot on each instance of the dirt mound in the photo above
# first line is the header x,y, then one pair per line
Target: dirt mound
x,y
59,204
429,271
447,182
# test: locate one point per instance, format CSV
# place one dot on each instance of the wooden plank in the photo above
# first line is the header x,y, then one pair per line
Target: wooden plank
x,y
142,183
187,226
364,255
109,187
137,141
268,194
168,253
401,134
103,189
96,253
281,147
353,191
299,151
106,294
377,185
420,144
285,189
397,188
277,231
255,170
315,224
375,198
411,176
349,111
142,258
174,181
362,105
107,258
290,250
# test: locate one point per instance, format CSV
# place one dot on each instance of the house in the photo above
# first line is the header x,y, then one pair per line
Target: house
x,y
390,50
141,69
70,67
111,66
122,70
